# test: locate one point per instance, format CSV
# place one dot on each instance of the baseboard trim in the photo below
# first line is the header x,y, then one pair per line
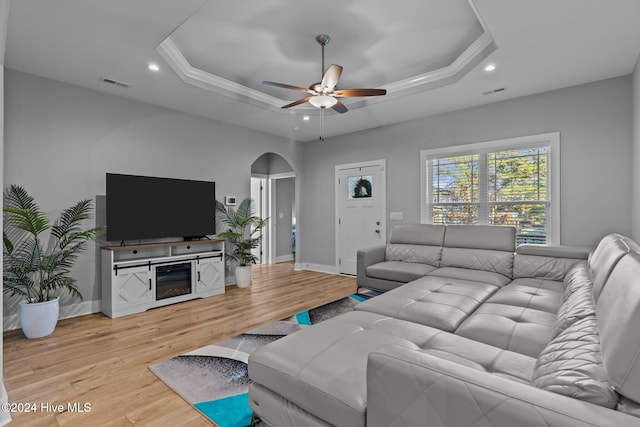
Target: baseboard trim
x,y
330,269
284,258
80,309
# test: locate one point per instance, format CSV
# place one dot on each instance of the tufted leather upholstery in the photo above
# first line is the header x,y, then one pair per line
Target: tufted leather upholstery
x,y
415,250
618,313
547,262
398,271
385,267
434,301
578,305
467,342
571,364
609,251
482,247
520,329
525,295
408,388
323,369
414,253
488,277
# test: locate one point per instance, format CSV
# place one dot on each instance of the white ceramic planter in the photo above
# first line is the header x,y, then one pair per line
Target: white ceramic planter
x,y
243,276
39,319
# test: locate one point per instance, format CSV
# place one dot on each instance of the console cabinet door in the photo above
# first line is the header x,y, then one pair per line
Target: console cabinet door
x,y
133,286
209,274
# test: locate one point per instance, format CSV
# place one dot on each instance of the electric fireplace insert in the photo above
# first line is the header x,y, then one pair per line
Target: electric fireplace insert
x,y
173,280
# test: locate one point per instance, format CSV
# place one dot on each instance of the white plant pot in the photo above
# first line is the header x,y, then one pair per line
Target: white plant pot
x,y
39,319
243,276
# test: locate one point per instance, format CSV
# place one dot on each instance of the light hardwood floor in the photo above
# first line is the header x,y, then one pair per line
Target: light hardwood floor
x,y
103,362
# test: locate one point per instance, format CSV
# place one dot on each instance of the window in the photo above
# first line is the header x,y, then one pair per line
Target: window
x,y
508,182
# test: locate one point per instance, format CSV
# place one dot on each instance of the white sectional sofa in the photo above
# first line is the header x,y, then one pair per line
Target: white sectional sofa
x,y
472,331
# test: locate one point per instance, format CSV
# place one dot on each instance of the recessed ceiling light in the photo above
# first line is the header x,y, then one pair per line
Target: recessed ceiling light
x,y
490,67
153,67
305,118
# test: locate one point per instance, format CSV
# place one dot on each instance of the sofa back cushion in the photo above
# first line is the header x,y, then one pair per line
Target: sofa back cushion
x,y
605,256
414,253
618,314
418,234
571,364
577,305
576,277
480,247
419,243
546,262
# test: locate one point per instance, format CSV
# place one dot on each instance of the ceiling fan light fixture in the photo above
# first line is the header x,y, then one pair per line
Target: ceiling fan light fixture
x,y
323,101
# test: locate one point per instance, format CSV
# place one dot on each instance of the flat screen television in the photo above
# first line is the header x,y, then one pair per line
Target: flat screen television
x,y
145,207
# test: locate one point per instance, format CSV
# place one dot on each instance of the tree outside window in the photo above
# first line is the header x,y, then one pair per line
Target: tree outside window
x,y
503,186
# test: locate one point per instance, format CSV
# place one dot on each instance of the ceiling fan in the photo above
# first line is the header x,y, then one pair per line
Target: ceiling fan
x,y
325,94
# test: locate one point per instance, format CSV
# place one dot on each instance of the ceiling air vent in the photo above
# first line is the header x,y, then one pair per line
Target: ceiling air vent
x,y
113,82
489,92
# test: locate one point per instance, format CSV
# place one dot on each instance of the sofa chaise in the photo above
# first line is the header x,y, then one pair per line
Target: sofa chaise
x,y
472,331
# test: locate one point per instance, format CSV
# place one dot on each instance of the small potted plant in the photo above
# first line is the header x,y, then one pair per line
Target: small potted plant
x,y
242,234
38,269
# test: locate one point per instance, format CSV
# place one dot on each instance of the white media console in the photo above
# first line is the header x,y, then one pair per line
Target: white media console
x,y
139,277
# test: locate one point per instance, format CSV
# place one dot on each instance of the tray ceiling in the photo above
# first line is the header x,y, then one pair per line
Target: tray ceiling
x,y
428,54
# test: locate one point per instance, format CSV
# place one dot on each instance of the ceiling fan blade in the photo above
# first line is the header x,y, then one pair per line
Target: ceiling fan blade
x,y
359,92
340,107
286,86
331,77
298,102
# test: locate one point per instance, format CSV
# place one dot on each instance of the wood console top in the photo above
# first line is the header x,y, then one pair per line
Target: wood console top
x,y
160,245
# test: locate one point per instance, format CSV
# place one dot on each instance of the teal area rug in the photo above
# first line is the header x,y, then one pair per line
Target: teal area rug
x,y
214,378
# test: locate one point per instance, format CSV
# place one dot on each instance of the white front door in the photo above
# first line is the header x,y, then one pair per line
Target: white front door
x,y
360,209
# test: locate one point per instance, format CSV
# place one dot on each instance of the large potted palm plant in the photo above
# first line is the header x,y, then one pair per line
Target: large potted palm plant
x,y
37,266
242,234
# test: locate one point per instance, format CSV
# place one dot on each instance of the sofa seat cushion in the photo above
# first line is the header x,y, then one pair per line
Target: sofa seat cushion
x,y
519,329
322,369
435,301
482,357
521,295
398,271
571,364
539,283
489,277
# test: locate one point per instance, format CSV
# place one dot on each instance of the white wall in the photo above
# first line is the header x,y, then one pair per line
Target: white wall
x,y
635,189
60,140
594,121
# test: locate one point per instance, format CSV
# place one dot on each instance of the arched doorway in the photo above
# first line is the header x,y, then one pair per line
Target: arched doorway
x,y
273,183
